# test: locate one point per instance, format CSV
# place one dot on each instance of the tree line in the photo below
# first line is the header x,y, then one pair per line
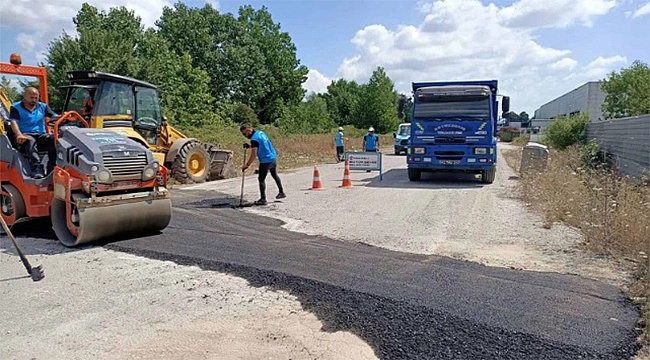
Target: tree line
x,y
218,67
213,67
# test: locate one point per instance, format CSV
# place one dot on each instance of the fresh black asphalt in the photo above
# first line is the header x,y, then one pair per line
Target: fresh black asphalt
x,y
405,306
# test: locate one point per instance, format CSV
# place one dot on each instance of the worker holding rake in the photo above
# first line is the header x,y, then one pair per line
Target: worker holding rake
x,y
262,149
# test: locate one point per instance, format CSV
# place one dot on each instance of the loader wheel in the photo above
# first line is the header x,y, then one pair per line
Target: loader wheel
x,y
12,205
191,164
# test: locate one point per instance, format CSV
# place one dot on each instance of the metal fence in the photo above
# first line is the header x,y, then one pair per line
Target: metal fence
x,y
627,139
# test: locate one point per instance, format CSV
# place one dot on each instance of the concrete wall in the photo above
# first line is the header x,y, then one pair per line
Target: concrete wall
x,y
627,139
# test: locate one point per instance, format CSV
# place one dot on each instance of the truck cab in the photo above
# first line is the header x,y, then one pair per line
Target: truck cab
x,y
453,128
402,138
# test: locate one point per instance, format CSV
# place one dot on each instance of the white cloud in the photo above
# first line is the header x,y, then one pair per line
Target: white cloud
x,y
465,39
46,15
643,10
564,64
556,14
213,3
41,21
600,67
316,82
26,41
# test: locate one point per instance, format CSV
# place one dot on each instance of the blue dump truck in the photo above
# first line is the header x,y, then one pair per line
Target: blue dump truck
x,y
402,138
453,127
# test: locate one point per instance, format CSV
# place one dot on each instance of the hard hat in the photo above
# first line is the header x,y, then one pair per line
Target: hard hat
x,y
371,129
340,128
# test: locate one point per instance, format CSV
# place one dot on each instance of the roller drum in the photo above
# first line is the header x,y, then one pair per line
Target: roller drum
x,y
114,218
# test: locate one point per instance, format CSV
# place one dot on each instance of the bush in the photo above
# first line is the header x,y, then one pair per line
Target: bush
x,y
566,131
593,157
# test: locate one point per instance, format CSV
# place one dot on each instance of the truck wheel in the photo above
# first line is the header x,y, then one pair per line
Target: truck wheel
x,y
487,176
191,164
414,174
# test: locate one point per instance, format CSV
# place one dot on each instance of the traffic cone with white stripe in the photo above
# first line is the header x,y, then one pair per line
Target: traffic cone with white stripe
x,y
316,184
347,183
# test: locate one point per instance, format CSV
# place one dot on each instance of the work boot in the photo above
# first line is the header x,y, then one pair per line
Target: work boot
x,y
39,172
281,196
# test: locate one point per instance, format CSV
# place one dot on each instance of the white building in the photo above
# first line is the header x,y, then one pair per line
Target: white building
x,y
586,98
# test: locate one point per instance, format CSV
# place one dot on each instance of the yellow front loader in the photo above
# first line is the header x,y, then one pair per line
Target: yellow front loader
x,y
131,108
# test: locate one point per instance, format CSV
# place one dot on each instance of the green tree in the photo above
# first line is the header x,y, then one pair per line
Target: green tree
x,y
116,42
342,97
377,105
627,93
524,118
308,117
283,74
184,90
250,60
212,44
512,116
9,89
243,114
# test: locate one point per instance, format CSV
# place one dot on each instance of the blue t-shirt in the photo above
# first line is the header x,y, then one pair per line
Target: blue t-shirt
x,y
338,138
30,121
371,141
265,150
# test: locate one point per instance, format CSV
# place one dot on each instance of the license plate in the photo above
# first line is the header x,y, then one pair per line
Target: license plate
x,y
450,162
126,184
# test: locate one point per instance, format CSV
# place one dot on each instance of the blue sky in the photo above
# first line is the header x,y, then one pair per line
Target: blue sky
x,y
537,49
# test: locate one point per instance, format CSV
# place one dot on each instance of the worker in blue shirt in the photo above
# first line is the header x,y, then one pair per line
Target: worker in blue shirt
x,y
340,146
27,119
371,141
262,149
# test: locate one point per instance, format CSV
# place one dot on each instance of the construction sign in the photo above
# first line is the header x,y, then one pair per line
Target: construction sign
x,y
365,161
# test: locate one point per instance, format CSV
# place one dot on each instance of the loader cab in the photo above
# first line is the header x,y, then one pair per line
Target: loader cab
x,y
116,102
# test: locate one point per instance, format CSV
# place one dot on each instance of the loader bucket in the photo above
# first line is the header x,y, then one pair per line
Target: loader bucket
x,y
219,163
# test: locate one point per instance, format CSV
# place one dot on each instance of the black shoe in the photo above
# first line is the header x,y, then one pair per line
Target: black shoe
x,y
39,173
260,202
281,196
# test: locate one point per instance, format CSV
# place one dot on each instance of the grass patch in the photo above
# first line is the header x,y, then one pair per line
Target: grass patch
x,y
294,150
612,213
521,140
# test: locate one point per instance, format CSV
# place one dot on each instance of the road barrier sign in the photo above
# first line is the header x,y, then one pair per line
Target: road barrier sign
x,y
365,161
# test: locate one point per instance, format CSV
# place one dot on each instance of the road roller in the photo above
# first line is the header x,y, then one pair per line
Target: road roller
x,y
104,185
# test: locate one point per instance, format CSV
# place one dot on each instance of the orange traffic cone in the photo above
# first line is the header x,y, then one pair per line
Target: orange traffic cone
x,y
347,183
316,184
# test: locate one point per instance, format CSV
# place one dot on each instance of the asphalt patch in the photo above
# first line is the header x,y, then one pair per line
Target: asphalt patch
x,y
401,329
